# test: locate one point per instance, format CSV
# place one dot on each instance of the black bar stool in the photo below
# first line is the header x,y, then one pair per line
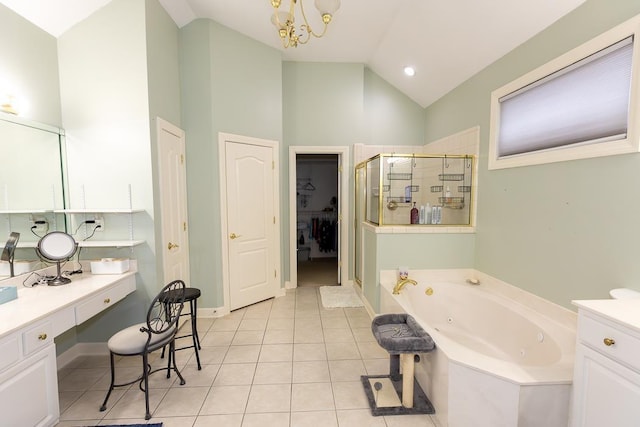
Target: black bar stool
x,y
191,296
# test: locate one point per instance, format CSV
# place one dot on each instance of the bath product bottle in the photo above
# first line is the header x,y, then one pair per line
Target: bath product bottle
x,y
427,214
439,214
434,215
415,216
421,215
447,195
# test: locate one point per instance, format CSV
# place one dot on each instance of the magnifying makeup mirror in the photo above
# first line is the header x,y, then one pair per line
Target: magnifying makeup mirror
x,y
9,250
57,247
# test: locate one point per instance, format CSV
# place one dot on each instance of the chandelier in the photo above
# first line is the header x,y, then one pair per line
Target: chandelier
x,y
285,21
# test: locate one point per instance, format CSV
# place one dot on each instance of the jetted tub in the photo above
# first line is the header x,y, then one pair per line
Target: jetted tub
x,y
503,357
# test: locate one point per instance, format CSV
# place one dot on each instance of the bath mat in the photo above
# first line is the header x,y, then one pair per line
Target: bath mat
x,y
339,296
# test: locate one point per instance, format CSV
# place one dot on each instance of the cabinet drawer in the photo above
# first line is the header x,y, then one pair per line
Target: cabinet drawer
x,y
624,347
104,300
37,337
9,351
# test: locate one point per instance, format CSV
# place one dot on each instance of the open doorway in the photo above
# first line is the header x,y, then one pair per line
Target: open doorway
x,y
318,241
317,207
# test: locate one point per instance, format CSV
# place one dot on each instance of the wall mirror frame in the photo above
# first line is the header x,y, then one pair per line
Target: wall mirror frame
x,y
32,182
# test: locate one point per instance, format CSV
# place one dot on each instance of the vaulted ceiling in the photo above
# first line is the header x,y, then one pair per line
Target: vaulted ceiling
x,y
446,41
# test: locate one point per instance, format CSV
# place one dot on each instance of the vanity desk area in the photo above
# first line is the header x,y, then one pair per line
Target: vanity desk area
x,y
606,384
28,326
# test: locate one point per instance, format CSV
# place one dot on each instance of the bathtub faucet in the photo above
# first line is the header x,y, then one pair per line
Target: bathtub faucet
x,y
401,284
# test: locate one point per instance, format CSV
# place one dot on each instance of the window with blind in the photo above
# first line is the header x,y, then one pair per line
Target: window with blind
x,y
578,106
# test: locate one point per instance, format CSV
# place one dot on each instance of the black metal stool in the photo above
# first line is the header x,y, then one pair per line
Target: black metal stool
x,y
191,296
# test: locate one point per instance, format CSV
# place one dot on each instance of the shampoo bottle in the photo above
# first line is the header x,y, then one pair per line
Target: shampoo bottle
x,y
427,214
415,216
421,215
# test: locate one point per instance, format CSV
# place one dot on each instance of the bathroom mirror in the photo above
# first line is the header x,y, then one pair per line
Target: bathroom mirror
x,y
31,181
57,247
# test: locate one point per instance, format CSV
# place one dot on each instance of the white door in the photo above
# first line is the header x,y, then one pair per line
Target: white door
x,y
173,202
251,230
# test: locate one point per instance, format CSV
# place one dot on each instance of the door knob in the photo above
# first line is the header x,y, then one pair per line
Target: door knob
x,y
171,246
234,236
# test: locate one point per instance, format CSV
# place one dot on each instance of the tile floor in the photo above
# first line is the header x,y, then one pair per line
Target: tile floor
x,y
286,362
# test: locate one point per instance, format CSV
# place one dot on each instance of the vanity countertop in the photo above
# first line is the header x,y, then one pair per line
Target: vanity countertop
x,y
622,311
37,302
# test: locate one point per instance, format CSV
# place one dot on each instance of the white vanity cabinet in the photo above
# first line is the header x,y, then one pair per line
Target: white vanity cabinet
x,y
606,383
28,326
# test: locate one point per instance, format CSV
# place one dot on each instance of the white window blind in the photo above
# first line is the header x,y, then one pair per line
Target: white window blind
x,y
585,102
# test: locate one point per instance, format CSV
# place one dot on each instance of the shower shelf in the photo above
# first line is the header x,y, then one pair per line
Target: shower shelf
x,y
392,176
452,202
437,188
451,177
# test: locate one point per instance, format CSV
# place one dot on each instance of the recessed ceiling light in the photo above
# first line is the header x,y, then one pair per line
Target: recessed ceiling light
x,y
409,71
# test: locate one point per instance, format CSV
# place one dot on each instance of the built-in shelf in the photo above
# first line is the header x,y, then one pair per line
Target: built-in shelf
x,y
98,211
109,243
26,211
451,177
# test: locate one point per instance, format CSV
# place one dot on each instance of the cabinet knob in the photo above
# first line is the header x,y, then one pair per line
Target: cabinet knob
x,y
107,300
609,341
42,337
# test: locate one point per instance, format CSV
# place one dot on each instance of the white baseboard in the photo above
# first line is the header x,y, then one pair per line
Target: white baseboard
x,y
82,349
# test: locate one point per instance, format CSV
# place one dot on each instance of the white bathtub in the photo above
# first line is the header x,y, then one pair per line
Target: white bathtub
x,y
503,357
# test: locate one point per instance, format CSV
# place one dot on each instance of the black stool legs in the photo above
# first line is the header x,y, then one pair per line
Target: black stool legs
x,y
191,296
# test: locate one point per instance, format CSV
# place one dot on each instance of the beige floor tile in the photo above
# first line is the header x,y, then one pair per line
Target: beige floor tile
x,y
230,420
335,323
174,421
350,395
67,398
332,313
182,401
211,355
278,336
371,350
235,374
409,421
275,419
87,406
359,418
217,338
314,419
363,321
377,366
363,334
273,373
199,378
283,313
269,398
308,323
242,354
312,397
226,400
338,335
276,323
132,405
253,324
80,379
276,353
308,335
306,352
342,351
346,370
311,372
225,324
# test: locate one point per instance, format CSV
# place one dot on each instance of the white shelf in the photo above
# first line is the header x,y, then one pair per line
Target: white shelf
x,y
94,211
27,211
110,243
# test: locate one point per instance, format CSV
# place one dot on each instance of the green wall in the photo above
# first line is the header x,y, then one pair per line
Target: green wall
x,y
562,231
29,67
233,84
